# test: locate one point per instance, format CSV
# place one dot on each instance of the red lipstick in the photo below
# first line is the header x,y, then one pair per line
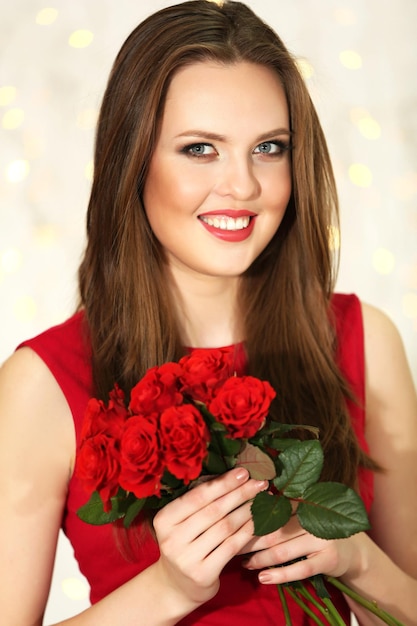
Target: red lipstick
x,y
228,230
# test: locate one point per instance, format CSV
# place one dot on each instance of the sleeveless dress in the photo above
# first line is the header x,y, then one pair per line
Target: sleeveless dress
x,y
241,598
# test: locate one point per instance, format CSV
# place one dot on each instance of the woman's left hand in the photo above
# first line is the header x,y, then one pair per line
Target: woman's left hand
x,y
291,553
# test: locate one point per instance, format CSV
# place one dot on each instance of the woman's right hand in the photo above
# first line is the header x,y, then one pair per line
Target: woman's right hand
x,y
199,532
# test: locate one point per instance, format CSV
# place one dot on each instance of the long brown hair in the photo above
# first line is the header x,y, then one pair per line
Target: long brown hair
x,y
285,294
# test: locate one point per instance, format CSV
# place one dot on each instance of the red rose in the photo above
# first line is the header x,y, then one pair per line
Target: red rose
x,y
157,390
204,371
98,456
184,438
99,418
242,405
97,466
140,459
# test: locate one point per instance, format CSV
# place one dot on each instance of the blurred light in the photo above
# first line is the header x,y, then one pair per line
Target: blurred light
x,y
305,68
350,59
46,235
7,94
74,588
89,170
87,119
46,16
17,170
369,128
81,38
25,308
360,175
366,124
410,305
334,238
10,260
13,118
383,261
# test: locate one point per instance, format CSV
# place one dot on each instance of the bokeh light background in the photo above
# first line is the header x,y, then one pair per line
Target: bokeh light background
x,y
359,59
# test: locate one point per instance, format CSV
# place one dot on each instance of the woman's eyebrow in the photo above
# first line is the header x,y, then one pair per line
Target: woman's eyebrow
x,y
203,134
276,132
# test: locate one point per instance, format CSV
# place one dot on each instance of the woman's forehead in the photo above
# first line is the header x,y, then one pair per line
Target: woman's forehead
x,y
217,95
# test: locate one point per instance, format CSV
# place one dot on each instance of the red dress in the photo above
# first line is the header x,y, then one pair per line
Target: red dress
x,y
241,599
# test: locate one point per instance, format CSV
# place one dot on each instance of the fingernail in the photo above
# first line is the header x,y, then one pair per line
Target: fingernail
x,y
262,484
242,473
264,577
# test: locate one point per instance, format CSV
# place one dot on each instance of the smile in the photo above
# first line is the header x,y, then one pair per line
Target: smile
x,y
226,222
227,228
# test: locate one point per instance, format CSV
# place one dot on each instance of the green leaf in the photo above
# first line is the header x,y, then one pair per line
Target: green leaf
x,y
170,480
259,465
133,510
269,512
332,511
282,444
217,464
224,446
282,429
302,464
208,417
230,447
318,583
93,512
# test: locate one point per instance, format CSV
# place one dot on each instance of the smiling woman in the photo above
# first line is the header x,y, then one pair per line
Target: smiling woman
x,y
227,181
207,234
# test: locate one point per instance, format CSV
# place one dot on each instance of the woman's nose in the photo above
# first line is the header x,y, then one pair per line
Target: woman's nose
x,y
238,179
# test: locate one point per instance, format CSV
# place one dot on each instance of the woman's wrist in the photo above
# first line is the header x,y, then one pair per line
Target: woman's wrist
x,y
172,602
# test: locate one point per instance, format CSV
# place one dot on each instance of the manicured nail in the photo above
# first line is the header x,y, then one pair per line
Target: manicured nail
x,y
265,577
242,474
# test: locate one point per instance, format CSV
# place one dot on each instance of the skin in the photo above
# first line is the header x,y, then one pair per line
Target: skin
x,y
211,161
201,531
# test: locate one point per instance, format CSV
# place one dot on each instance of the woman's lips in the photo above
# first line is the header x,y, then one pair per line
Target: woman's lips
x,y
231,226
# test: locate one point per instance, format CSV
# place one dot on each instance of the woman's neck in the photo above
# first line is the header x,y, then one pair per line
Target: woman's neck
x,y
207,310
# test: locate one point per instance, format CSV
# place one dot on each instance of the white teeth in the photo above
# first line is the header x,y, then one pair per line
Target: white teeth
x,y
227,223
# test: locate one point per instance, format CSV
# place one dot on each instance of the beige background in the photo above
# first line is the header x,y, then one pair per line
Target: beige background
x,y
360,62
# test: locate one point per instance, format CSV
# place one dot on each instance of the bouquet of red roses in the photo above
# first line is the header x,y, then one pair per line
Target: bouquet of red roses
x,y
192,419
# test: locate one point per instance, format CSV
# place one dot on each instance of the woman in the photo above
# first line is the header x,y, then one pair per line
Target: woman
x,y
208,226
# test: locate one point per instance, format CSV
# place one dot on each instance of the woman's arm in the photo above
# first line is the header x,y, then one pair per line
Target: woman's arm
x,y
36,447
198,533
382,566
391,432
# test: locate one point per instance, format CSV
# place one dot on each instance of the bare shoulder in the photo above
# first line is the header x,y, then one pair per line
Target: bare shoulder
x,y
37,446
388,374
391,432
379,328
391,399
33,405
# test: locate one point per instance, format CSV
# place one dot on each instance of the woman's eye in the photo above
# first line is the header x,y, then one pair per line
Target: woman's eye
x,y
275,148
199,150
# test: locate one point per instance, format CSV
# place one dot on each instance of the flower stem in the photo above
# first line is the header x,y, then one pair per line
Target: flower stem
x,y
288,621
338,621
370,606
331,611
307,610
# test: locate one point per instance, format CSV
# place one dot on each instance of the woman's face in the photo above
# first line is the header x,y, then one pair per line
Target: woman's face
x,y
219,179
